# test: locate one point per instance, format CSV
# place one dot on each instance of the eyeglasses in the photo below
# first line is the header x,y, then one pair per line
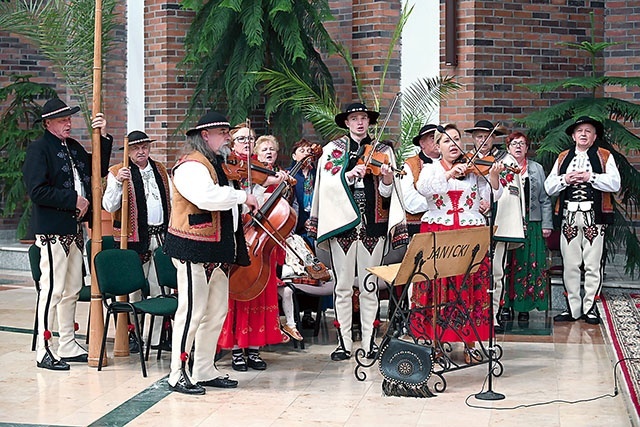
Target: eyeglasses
x,y
244,139
517,143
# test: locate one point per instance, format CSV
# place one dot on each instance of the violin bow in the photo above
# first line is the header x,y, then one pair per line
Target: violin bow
x,y
484,142
384,125
247,123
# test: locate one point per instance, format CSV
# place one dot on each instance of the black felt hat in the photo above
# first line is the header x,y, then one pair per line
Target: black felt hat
x,y
138,137
485,125
211,120
586,119
423,131
356,107
56,108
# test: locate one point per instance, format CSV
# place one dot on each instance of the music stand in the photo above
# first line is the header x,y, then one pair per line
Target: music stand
x,y
435,255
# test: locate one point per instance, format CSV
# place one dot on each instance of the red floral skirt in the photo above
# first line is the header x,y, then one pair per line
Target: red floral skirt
x,y
462,305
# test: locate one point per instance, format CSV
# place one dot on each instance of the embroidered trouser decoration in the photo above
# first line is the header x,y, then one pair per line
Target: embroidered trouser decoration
x,y
60,284
585,248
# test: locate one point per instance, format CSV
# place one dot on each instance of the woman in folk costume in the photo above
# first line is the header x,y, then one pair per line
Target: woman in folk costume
x,y
352,213
453,195
255,323
527,282
508,217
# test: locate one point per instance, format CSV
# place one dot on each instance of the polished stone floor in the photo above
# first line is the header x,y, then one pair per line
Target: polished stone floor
x,y
545,374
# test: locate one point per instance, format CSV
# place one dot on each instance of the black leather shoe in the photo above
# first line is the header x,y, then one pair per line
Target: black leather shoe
x,y
53,365
182,386
565,316
255,362
498,329
523,316
592,317
83,358
308,322
373,353
134,347
340,354
164,346
238,363
506,314
222,382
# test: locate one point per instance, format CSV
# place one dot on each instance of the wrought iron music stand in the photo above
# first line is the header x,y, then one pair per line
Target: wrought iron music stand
x,y
431,256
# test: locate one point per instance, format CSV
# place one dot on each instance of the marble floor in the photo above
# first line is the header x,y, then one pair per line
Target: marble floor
x,y
563,377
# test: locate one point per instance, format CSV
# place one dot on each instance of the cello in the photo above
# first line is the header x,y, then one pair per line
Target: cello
x,y
274,221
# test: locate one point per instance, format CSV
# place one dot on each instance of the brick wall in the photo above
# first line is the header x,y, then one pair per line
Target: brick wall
x,y
502,45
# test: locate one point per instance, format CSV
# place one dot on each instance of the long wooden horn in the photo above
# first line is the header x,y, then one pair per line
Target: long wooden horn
x,y
96,325
121,344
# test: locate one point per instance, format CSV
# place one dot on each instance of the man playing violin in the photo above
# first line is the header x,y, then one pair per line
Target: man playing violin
x,y
352,212
203,239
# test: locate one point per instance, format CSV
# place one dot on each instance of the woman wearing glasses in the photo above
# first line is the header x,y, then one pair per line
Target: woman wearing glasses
x,y
252,324
527,289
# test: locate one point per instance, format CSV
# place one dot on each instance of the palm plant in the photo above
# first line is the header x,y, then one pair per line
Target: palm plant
x,y
230,40
319,105
16,123
546,127
62,30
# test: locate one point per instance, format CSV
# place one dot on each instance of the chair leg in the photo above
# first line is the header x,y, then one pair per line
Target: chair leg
x,y
104,339
138,333
316,327
151,322
34,339
86,341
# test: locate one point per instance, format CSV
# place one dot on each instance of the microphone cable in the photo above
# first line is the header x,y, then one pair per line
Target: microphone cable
x,y
549,402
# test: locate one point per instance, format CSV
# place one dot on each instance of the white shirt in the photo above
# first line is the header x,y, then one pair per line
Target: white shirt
x,y
608,182
193,181
112,198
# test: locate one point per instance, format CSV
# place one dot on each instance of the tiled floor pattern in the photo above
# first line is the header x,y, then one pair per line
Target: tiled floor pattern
x,y
305,388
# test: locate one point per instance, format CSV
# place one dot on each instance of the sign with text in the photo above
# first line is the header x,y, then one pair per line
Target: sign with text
x,y
448,253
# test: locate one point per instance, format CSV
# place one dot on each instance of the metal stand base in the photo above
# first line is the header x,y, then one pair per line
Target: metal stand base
x,y
489,395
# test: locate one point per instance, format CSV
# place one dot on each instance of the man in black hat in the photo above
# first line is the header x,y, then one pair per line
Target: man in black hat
x,y
484,136
414,202
584,178
57,175
352,213
148,213
204,239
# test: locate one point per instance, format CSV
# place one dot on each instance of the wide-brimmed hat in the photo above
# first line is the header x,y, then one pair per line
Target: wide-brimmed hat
x,y
586,119
137,137
356,107
487,126
211,120
423,131
56,108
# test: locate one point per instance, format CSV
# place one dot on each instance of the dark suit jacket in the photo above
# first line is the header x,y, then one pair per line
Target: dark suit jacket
x,y
48,176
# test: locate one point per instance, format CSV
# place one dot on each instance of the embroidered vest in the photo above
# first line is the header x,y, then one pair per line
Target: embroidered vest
x,y
138,228
602,202
202,236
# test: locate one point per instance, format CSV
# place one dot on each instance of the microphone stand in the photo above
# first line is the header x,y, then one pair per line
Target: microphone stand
x,y
489,394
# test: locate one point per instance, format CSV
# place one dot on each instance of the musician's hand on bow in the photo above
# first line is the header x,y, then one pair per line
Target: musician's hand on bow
x,y
123,174
484,206
358,171
456,171
252,202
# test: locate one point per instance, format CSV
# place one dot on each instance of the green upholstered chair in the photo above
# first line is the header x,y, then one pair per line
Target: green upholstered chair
x,y
168,280
119,273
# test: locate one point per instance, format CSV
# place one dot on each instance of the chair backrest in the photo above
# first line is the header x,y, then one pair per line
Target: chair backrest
x,y
119,272
34,263
165,270
108,242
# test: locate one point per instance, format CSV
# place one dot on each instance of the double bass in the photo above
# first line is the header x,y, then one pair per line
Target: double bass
x,y
269,227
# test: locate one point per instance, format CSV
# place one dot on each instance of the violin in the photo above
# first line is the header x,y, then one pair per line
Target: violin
x,y
374,161
235,168
481,166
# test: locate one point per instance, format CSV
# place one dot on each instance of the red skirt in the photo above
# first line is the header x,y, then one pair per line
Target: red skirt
x,y
455,297
255,323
